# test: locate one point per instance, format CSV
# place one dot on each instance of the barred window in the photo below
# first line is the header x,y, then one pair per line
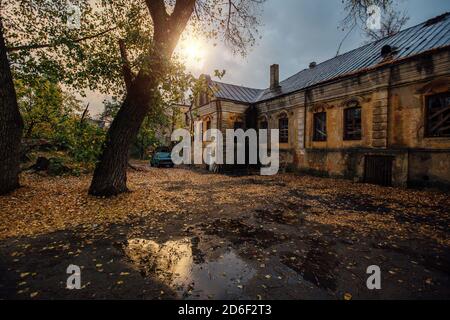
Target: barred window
x,y
352,123
283,125
438,115
320,126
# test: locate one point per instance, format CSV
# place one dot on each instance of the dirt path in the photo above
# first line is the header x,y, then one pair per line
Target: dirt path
x,y
184,234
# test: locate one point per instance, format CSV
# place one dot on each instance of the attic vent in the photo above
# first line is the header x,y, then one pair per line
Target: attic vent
x,y
437,19
312,65
387,50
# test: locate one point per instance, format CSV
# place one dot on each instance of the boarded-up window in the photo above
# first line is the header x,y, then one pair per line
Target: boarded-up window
x,y
320,126
352,123
438,115
283,125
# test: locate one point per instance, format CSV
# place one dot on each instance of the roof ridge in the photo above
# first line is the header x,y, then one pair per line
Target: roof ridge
x,y
236,85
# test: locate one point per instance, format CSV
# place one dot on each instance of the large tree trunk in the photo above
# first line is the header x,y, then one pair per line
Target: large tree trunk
x,y
110,176
11,125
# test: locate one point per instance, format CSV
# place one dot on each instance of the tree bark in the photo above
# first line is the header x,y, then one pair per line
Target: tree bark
x,y
110,176
11,125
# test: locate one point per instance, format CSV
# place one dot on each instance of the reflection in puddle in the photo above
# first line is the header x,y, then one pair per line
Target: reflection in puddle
x,y
180,265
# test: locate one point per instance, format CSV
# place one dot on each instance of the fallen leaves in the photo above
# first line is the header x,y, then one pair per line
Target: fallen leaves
x,y
348,296
48,204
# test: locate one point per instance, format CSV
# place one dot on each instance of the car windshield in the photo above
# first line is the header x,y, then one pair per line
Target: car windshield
x,y
163,150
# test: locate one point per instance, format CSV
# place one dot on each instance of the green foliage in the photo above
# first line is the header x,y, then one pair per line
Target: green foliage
x,y
82,140
43,106
147,139
114,42
41,43
54,115
111,107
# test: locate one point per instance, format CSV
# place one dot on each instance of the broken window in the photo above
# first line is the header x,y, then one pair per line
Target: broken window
x,y
352,123
438,115
320,126
283,125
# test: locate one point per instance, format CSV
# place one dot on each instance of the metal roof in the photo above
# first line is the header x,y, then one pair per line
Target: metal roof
x,y
432,34
235,93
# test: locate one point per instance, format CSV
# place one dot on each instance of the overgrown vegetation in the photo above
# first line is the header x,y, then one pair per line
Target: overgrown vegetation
x,y
56,127
59,127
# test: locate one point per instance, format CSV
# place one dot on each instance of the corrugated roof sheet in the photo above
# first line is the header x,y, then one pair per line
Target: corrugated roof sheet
x,y
432,34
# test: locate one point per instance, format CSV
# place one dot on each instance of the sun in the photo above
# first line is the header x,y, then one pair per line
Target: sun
x,y
193,53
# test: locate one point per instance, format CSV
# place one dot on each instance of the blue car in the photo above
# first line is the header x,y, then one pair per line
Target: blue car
x,y
162,158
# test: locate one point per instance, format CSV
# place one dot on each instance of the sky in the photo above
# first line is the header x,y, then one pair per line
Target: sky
x,y
294,33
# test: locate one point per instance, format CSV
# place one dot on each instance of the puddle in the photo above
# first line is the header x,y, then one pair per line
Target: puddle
x,y
180,265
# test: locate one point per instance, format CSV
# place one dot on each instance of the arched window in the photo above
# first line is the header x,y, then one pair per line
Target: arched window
x,y
283,125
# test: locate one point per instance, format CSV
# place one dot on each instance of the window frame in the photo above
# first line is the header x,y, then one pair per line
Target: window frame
x,y
207,126
427,133
347,136
283,129
316,137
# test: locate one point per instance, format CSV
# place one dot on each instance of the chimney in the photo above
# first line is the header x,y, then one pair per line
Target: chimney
x,y
274,76
207,78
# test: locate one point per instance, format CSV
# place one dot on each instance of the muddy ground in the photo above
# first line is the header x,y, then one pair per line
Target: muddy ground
x,y
188,234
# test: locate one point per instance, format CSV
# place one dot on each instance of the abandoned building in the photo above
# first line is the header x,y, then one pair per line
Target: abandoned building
x,y
377,114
